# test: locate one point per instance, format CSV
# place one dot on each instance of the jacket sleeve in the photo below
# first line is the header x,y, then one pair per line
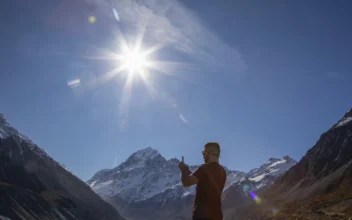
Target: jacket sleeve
x,y
199,173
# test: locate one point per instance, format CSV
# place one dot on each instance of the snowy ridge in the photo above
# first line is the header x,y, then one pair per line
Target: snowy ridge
x,y
6,131
269,171
344,121
234,177
146,174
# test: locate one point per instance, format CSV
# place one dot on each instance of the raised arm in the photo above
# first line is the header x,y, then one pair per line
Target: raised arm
x,y
187,178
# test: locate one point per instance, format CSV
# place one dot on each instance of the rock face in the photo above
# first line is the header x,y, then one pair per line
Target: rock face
x,y
147,186
326,162
318,186
34,186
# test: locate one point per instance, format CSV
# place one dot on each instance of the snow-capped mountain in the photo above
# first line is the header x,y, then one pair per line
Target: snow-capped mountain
x,y
347,119
238,194
35,186
268,172
234,177
143,175
146,177
146,173
6,130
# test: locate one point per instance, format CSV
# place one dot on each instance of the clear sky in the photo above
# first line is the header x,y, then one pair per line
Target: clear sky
x,y
264,78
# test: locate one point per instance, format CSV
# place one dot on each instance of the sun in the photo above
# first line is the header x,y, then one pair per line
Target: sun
x,y
133,60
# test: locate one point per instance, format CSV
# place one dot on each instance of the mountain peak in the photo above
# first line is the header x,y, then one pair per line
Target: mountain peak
x,y
348,113
347,119
289,159
2,119
6,130
141,158
272,160
286,158
146,152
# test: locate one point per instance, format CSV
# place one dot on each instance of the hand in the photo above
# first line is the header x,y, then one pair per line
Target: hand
x,y
182,165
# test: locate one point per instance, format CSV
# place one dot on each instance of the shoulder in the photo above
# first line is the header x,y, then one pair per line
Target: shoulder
x,y
201,167
199,172
222,168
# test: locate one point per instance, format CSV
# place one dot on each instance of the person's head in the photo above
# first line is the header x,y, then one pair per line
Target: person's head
x,y
211,152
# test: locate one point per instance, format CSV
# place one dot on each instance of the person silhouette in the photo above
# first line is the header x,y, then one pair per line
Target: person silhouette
x,y
210,179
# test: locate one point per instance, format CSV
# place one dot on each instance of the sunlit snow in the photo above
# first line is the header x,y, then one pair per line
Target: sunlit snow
x,y
344,122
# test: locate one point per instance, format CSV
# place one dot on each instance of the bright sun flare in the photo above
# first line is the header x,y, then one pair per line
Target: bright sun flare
x,y
134,61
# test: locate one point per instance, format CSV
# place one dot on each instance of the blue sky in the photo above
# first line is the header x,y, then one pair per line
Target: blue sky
x,y
264,78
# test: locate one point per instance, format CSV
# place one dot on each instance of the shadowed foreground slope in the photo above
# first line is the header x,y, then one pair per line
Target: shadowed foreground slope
x,y
33,186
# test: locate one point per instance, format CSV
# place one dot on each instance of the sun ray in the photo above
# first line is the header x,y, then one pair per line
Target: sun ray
x,y
112,57
148,84
167,66
155,48
105,77
164,67
101,54
123,106
140,37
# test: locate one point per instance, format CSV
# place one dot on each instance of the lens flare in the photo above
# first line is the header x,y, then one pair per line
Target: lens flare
x,y
275,211
116,14
245,188
255,197
92,19
74,83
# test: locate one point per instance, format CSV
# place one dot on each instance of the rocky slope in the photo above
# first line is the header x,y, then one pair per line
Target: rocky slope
x,y
318,187
34,186
147,186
